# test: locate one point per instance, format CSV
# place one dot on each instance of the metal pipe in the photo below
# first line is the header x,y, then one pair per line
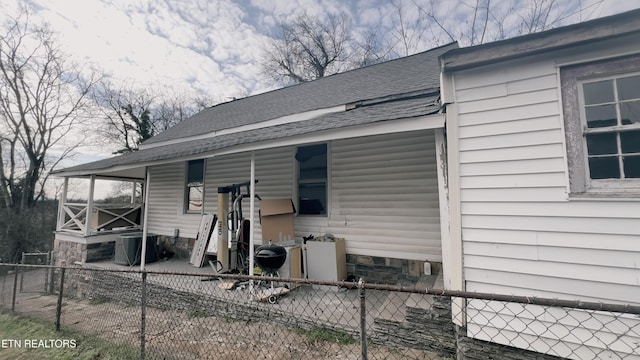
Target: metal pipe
x,y
145,216
363,319
252,204
143,315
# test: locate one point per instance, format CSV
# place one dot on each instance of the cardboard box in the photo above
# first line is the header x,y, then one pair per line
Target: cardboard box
x,y
276,218
292,268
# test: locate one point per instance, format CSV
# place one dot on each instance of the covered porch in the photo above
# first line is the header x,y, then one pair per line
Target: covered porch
x,y
385,191
380,185
93,212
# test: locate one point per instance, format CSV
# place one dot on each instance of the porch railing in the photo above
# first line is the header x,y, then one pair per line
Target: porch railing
x,y
77,218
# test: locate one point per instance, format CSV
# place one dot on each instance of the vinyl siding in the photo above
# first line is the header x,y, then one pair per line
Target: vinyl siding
x,y
383,195
166,202
521,233
273,171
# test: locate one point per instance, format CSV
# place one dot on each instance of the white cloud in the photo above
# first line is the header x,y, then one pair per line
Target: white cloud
x,y
214,47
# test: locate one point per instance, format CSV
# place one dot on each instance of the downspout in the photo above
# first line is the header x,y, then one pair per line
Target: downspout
x,y
143,255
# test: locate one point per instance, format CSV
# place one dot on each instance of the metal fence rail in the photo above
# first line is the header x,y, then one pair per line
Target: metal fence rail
x,y
190,316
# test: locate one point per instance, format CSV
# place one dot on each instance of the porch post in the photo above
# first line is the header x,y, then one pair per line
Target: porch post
x,y
92,185
252,204
145,201
134,185
62,201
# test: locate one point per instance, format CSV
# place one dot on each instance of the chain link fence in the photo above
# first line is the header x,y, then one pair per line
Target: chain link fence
x,y
188,316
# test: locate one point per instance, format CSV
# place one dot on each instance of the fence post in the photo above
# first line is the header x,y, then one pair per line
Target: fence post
x,y
50,272
46,275
21,275
59,306
143,314
363,319
15,288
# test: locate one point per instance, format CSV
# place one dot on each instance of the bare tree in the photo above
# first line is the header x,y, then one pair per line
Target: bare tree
x,y
408,31
126,112
309,48
134,115
42,103
489,20
369,50
41,100
173,107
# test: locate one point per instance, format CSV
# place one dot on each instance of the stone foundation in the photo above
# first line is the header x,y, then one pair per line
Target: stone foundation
x,y
67,253
427,327
379,270
376,270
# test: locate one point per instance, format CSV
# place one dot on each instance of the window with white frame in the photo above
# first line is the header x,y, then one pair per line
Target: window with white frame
x,y
194,188
601,108
312,179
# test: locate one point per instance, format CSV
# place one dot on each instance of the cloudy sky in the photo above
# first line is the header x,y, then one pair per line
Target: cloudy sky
x,y
213,47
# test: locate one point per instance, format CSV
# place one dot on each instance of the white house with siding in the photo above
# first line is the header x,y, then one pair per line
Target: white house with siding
x,y
543,146
361,146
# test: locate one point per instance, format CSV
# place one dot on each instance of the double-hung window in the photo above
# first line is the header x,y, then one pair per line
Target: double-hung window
x,y
611,112
312,179
194,189
601,108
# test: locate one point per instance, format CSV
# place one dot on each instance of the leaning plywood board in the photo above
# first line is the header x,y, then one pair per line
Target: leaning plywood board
x,y
212,248
204,233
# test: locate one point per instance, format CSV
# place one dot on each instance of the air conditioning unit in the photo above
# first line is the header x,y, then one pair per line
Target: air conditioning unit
x,y
128,249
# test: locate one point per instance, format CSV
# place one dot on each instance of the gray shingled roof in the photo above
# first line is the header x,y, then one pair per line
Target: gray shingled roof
x,y
424,104
407,88
411,73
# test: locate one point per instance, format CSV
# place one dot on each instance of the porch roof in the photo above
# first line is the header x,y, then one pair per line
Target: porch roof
x,y
405,112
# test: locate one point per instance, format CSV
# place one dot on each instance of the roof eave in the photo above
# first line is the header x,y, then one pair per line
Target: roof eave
x,y
560,38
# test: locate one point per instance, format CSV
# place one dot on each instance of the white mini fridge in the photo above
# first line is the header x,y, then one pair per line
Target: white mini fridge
x,y
326,260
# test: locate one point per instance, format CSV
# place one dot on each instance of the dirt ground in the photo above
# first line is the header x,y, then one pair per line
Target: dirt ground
x,y
178,335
